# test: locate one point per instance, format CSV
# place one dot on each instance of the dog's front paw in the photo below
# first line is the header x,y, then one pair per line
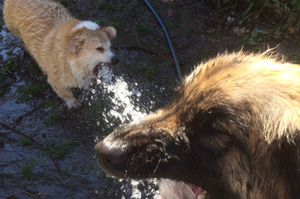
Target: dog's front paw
x,y
73,104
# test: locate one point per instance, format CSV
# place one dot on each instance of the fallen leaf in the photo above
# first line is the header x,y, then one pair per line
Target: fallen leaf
x,y
239,31
171,12
292,30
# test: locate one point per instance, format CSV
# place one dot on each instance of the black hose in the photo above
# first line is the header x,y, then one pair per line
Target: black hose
x,y
168,38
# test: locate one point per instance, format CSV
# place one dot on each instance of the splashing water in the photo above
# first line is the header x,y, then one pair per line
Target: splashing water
x,y
123,108
132,189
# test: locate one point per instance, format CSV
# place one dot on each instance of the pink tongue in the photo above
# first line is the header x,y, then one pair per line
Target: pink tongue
x,y
96,69
170,189
197,190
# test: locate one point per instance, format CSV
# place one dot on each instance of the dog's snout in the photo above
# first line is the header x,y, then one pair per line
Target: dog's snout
x,y
110,153
115,60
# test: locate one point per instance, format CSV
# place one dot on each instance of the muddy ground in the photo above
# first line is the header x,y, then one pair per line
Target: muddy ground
x,y
56,159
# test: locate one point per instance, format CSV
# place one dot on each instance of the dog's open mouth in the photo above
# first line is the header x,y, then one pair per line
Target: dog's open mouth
x,y
99,67
198,192
170,189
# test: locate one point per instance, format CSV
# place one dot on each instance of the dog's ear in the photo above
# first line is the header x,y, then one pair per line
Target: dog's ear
x,y
110,31
75,44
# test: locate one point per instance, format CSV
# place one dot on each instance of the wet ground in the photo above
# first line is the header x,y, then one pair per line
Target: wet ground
x,y
46,150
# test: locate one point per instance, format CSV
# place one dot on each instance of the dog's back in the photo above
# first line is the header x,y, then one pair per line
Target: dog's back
x,y
33,16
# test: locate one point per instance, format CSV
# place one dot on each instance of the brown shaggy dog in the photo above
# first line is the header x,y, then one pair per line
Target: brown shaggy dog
x,y
232,129
69,51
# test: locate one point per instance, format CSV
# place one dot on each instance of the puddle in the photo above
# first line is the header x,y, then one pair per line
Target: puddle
x,y
9,44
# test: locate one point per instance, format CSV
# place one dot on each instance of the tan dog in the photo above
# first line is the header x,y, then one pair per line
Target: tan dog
x,y
68,50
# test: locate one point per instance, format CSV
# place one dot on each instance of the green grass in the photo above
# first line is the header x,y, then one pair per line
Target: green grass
x,y
1,22
167,63
255,38
26,92
97,106
46,180
102,175
173,23
132,67
65,172
62,1
115,24
150,72
2,91
9,67
26,170
141,29
51,120
99,111
34,67
294,57
258,39
281,14
191,30
106,6
49,106
25,141
59,150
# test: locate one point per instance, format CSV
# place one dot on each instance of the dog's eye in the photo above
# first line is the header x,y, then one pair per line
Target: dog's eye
x,y
100,49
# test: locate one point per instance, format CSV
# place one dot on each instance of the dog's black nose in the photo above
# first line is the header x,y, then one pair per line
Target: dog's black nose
x,y
110,153
115,60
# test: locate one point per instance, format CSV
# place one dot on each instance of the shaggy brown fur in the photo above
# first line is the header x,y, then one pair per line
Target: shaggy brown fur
x,y
68,50
232,129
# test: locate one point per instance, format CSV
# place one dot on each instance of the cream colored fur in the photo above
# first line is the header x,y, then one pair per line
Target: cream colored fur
x,y
65,48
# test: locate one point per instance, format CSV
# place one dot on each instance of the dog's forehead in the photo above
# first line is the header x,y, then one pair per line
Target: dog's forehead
x,y
97,35
102,35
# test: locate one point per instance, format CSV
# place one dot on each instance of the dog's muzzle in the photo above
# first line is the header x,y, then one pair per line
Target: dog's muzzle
x,y
114,61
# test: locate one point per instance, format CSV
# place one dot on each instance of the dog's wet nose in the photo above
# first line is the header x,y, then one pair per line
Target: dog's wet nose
x,y
115,60
110,153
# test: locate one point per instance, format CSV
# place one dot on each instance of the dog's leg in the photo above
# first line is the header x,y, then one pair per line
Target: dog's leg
x,y
67,95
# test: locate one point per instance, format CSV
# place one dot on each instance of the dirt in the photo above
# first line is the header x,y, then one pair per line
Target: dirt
x,y
59,160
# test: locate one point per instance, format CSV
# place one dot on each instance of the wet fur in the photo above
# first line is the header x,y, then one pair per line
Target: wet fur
x,y
232,129
66,54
